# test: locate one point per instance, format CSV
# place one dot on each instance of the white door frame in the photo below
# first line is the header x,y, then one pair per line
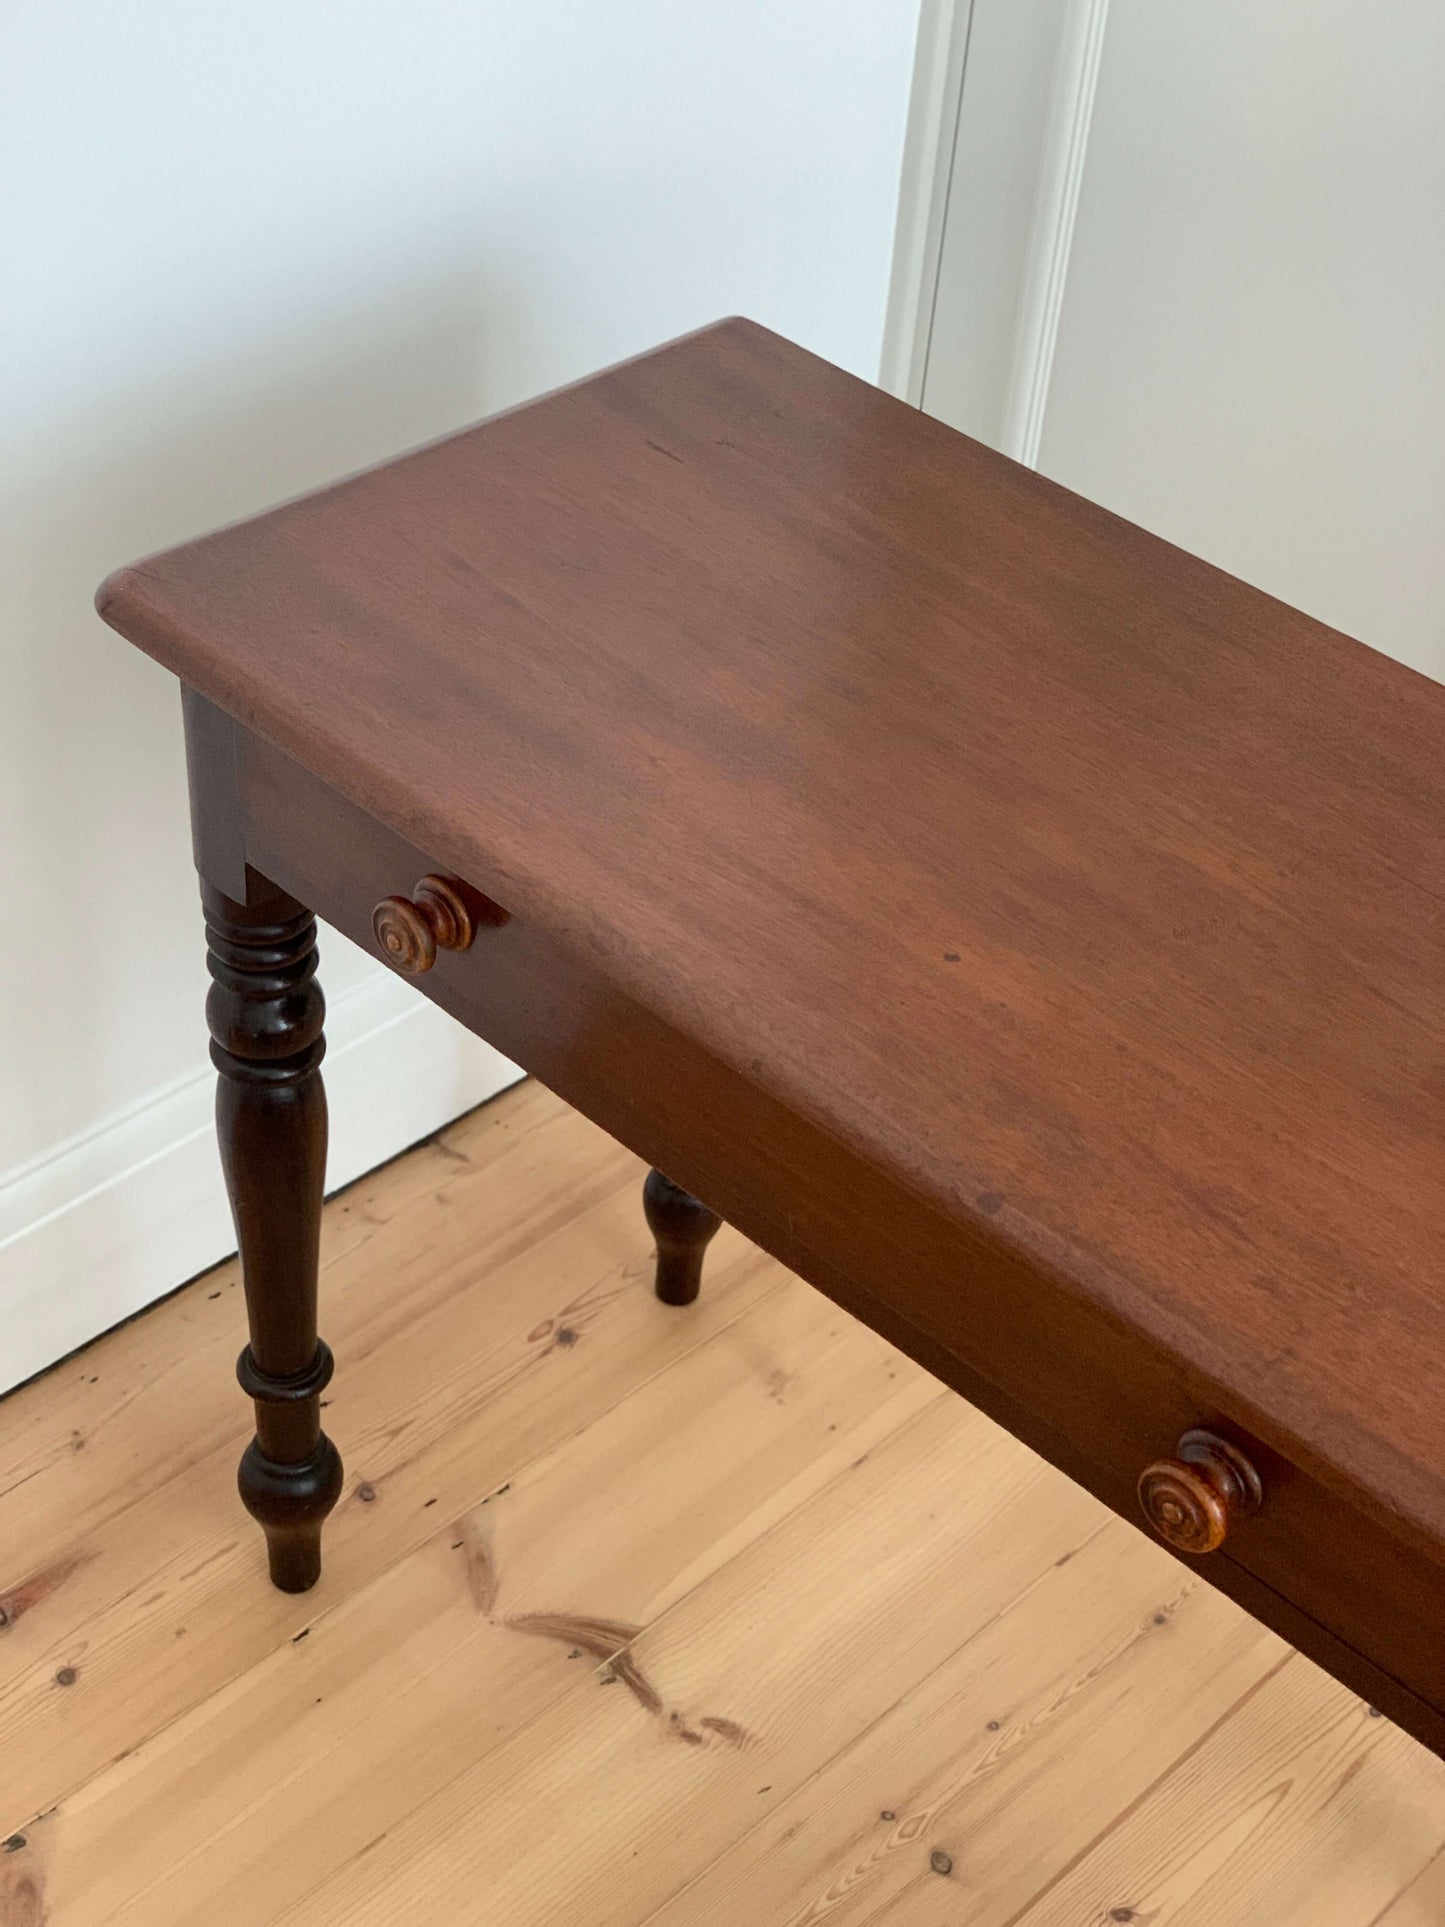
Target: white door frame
x,y
943,162
939,63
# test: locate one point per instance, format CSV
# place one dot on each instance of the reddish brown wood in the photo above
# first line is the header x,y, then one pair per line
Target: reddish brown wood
x,y
1194,1498
265,1012
1030,932
409,930
682,1227
1097,1401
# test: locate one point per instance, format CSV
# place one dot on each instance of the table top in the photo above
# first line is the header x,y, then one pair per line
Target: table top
x,y
1077,883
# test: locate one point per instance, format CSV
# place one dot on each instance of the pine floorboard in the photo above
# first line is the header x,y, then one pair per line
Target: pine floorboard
x,y
633,1615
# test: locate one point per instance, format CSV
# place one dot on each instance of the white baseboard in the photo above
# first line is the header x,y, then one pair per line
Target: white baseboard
x,y
116,1218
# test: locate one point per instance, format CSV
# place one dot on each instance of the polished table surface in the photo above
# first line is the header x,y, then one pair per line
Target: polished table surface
x,y
1042,929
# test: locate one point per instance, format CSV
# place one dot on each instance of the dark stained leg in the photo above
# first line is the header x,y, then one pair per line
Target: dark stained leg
x,y
682,1226
265,1011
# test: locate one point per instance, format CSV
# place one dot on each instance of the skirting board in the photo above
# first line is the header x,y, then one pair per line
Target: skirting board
x,y
117,1218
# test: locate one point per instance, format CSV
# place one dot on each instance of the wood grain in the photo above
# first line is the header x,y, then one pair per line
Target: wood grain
x,y
86,1449
1295,1823
1422,1904
1006,1719
441,1401
292,1769
835,1575
1097,1400
726,1703
1087,894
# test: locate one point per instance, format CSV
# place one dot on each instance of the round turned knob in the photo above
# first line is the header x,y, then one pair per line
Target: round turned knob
x,y
409,929
1192,1500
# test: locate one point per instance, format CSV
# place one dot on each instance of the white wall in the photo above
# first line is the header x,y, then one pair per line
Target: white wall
x,y
244,249
1229,296
1251,348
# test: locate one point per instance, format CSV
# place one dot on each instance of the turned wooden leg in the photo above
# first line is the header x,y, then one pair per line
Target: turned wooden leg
x,y
265,1011
682,1226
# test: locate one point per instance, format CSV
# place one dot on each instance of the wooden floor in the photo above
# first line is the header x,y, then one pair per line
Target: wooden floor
x,y
709,1617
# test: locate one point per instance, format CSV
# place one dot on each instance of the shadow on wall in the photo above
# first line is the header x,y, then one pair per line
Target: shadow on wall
x,y
92,781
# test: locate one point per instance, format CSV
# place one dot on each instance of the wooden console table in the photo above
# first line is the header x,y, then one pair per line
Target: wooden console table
x,y
1031,935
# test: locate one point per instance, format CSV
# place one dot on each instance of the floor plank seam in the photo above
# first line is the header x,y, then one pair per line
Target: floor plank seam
x,y
236,1437
859,1739
676,1517
746,1262
1147,1793
596,1672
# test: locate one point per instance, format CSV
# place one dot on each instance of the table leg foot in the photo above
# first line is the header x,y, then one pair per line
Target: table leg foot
x,y
290,1498
265,1012
682,1226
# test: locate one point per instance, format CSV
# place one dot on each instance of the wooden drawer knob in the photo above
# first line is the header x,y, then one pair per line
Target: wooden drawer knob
x,y
408,929
1192,1500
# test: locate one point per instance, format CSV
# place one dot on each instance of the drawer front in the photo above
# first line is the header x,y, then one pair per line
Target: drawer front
x,y
1093,1398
